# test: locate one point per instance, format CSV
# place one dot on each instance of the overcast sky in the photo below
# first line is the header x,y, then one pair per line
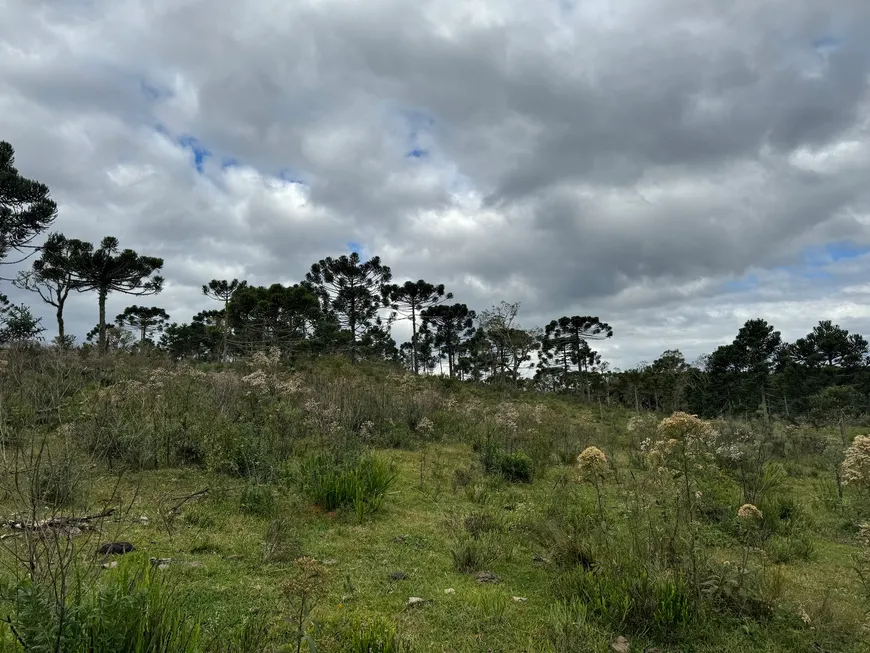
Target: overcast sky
x,y
675,167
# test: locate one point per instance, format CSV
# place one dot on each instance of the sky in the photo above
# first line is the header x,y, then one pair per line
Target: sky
x,y
674,167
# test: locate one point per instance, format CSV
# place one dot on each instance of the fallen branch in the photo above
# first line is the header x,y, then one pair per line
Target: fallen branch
x,y
55,522
184,500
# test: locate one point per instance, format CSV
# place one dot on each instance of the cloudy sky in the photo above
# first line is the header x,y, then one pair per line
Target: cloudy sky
x,y
675,167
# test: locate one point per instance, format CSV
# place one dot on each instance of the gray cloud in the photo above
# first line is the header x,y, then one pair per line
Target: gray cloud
x,y
579,158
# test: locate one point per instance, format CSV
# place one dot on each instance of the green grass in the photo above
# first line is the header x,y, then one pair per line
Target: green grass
x,y
572,573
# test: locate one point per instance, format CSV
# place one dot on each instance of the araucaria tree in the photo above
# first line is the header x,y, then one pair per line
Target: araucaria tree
x,y
26,210
222,290
352,292
144,319
452,326
108,269
564,342
408,300
51,277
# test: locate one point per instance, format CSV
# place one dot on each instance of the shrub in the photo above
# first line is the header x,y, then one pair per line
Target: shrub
x,y
133,612
471,555
56,483
257,500
280,544
515,467
374,636
783,550
361,483
630,598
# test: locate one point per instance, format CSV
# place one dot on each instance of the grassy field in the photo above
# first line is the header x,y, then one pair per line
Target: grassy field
x,y
344,505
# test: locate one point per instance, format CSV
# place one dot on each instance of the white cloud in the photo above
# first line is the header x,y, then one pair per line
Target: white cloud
x,y
623,160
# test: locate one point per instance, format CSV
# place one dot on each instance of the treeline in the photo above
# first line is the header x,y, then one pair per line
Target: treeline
x,y
347,306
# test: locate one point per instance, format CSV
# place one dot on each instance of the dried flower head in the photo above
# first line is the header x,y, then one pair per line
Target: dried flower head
x,y
856,464
749,512
592,463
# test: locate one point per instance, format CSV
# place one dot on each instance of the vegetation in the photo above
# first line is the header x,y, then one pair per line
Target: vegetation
x,y
279,475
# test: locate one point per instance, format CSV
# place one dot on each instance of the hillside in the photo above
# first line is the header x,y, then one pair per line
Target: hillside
x,y
361,508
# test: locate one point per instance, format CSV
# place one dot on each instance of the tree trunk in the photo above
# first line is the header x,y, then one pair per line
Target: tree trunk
x,y
103,342
414,339
61,334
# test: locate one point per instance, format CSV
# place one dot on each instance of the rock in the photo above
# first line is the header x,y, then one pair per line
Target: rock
x,y
144,520
329,562
110,565
450,590
519,599
398,575
620,645
116,548
486,577
414,600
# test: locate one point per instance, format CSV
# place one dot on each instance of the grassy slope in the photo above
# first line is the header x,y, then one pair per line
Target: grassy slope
x,y
415,532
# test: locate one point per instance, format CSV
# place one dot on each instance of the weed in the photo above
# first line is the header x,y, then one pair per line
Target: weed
x,y
361,484
257,500
373,636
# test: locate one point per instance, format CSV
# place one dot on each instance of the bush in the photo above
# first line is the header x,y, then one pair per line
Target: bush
x,y
281,543
56,484
375,636
515,467
783,550
134,612
630,598
361,483
257,500
471,555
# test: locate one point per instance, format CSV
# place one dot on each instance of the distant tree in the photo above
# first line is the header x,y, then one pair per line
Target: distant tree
x,y
288,317
670,374
564,342
408,300
117,338
501,345
222,290
51,277
829,345
451,326
108,269
426,352
352,292
26,210
145,319
19,327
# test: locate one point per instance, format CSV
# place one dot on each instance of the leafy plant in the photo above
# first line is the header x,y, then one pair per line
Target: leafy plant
x,y
361,483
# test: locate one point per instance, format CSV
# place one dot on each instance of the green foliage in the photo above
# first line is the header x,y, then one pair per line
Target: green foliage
x,y
134,611
473,554
785,549
515,467
361,483
373,636
257,500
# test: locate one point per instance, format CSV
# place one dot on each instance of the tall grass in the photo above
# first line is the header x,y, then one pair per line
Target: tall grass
x,y
134,611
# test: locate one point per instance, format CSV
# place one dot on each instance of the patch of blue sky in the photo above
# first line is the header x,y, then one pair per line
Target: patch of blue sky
x,y
418,153
354,246
746,283
841,250
200,152
292,176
